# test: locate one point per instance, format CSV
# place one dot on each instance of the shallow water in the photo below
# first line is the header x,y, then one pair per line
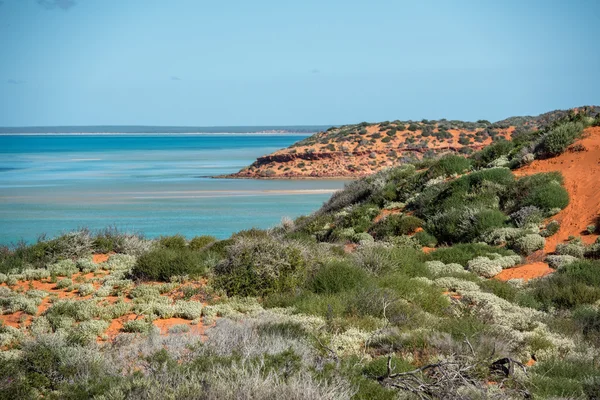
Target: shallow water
x,y
155,185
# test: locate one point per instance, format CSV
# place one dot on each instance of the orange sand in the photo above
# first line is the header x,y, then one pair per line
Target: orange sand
x,y
525,272
117,324
165,324
581,171
100,258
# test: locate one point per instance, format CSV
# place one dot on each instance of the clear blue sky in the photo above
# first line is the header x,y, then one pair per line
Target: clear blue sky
x,y
253,62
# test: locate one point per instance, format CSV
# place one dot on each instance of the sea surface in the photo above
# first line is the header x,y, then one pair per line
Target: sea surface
x,y
154,184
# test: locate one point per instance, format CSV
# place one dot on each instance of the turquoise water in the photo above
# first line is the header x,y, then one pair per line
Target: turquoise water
x,y
155,185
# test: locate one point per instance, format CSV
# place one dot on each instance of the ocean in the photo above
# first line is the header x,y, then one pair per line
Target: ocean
x,y
153,184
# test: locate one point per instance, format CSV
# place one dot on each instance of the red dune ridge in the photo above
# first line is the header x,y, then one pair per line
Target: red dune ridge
x,y
580,167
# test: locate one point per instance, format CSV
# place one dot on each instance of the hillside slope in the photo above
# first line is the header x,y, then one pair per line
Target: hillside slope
x,y
362,149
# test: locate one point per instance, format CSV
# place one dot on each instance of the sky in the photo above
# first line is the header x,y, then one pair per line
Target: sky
x,y
275,62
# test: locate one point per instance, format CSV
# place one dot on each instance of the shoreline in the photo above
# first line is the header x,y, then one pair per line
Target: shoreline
x,y
145,134
291,178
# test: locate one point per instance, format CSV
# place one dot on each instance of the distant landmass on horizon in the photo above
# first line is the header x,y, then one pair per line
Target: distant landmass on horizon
x,y
140,129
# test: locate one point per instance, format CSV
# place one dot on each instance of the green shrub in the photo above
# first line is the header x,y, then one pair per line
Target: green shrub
x,y
501,289
482,222
562,378
500,176
87,332
360,217
177,242
162,263
85,289
465,224
76,310
588,320
426,239
526,216
353,192
572,285
381,260
543,191
529,243
64,283
337,276
574,248
462,253
378,367
396,225
557,261
108,240
256,267
188,309
136,326
71,245
200,242
448,166
557,140
551,229
145,292
179,328
492,152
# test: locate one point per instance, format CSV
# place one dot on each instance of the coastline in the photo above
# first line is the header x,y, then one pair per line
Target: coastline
x,y
158,134
291,178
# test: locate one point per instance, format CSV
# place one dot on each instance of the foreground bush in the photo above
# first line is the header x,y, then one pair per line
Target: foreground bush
x,y
259,266
162,263
573,284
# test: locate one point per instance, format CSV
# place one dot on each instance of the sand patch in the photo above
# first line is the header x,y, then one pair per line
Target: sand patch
x,y
100,258
525,272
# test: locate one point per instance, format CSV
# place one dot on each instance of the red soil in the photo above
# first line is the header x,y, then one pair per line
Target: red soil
x,y
581,171
117,324
15,319
165,324
525,272
100,258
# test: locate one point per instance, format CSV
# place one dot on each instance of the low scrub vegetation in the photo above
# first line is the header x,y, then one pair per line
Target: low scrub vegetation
x,y
342,303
